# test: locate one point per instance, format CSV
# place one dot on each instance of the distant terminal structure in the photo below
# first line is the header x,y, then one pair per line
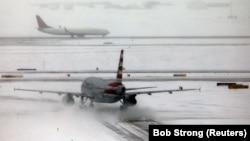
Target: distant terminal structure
x,y
26,69
232,85
180,75
11,76
107,43
237,86
225,84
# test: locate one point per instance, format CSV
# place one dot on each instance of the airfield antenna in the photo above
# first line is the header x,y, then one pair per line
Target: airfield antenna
x,y
44,65
231,9
231,12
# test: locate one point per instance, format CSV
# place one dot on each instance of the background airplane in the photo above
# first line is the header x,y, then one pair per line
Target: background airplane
x,y
43,27
105,91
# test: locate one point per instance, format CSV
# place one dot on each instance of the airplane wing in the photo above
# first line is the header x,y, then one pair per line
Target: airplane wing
x,y
72,33
130,89
54,92
159,91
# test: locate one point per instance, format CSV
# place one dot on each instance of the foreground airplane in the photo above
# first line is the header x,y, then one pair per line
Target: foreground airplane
x,y
105,91
43,27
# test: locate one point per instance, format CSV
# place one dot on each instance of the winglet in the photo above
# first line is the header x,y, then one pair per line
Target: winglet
x,y
41,23
120,68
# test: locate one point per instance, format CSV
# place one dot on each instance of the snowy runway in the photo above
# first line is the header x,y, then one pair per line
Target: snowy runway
x,y
31,116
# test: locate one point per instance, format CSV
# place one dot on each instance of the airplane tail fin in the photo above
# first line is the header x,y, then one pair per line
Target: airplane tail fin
x,y
120,68
41,23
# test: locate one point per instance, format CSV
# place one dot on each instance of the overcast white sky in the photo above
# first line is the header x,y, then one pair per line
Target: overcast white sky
x,y
128,17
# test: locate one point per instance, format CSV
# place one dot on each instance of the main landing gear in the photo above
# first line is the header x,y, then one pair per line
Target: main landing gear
x,y
83,101
91,105
128,101
123,107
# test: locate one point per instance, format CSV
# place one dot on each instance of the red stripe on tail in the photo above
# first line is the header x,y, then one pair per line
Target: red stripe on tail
x,y
120,68
41,23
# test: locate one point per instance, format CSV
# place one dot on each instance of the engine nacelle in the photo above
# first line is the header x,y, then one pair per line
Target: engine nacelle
x,y
130,100
68,99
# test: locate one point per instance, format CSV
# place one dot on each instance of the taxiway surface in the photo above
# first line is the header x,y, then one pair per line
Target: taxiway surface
x,y
31,116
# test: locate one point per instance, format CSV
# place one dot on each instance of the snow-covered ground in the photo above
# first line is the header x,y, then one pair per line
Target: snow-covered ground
x,y
31,116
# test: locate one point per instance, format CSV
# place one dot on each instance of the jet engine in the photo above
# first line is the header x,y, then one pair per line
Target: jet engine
x,y
68,99
130,100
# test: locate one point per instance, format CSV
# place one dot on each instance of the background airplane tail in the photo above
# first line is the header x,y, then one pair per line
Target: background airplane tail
x,y
120,68
41,23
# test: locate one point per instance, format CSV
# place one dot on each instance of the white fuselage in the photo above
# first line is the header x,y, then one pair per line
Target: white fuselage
x,y
95,87
74,32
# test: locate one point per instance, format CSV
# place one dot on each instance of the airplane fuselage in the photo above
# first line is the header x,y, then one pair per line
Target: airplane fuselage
x,y
102,91
74,32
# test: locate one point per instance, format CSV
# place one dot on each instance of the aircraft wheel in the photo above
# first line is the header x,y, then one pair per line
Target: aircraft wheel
x,y
123,108
91,105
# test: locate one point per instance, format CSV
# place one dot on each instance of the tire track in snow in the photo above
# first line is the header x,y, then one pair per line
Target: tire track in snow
x,y
131,130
